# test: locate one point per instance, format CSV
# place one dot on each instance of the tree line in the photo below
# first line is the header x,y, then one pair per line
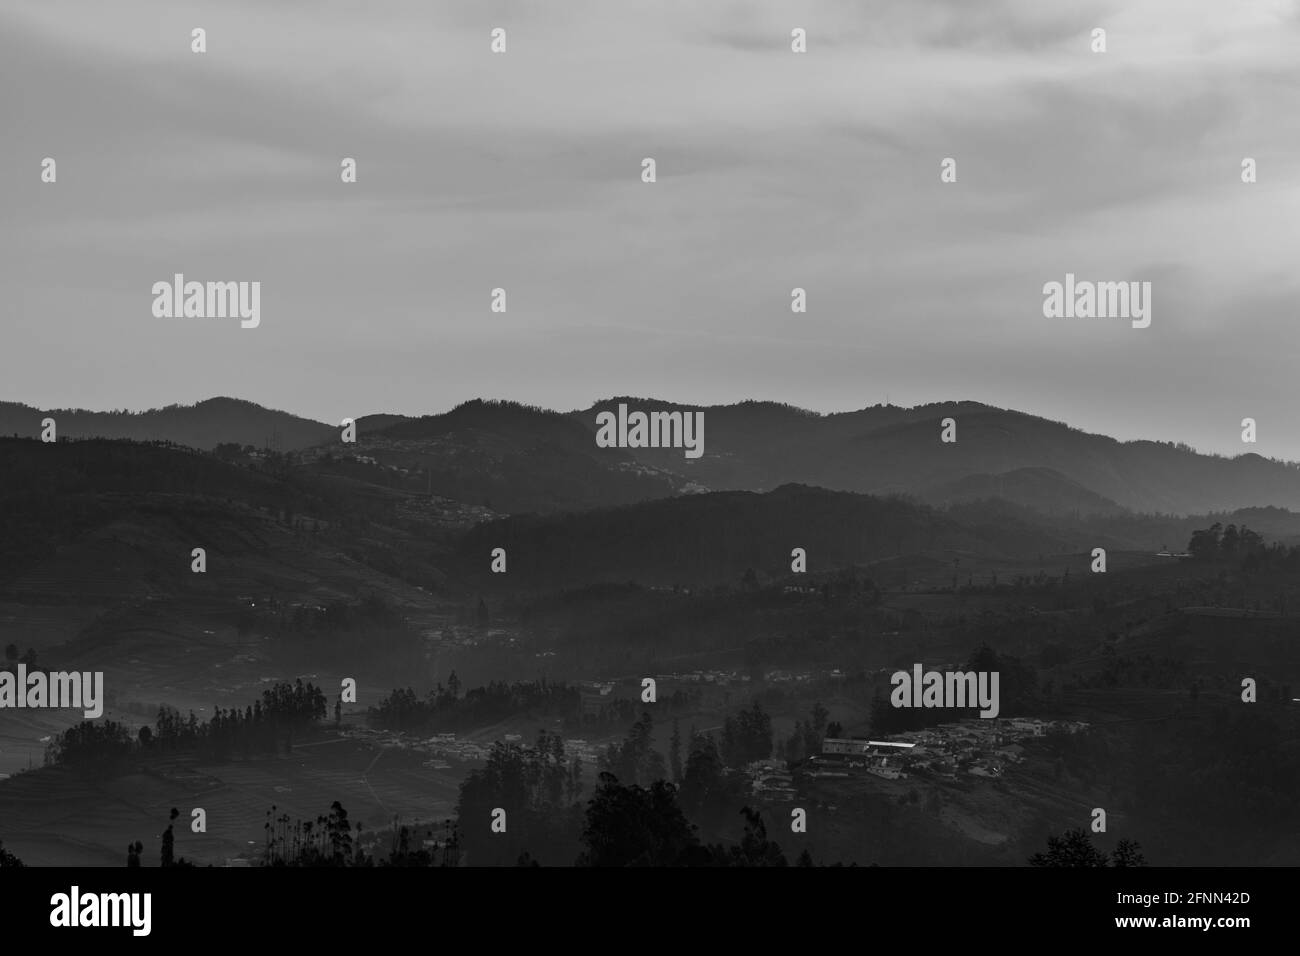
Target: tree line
x,y
263,727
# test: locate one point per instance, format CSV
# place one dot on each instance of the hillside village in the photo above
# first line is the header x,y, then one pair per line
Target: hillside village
x,y
969,747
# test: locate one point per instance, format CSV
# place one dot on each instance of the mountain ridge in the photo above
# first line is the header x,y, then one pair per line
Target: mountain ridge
x,y
752,445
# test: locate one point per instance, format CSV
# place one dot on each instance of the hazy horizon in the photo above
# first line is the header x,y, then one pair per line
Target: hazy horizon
x,y
308,415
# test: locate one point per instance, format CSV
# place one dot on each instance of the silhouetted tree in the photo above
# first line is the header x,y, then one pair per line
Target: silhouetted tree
x,y
1128,853
755,848
634,826
169,841
1074,848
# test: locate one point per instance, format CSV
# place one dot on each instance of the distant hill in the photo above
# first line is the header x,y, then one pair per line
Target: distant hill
x,y
713,538
203,425
513,458
1039,489
516,458
59,498
886,449
52,496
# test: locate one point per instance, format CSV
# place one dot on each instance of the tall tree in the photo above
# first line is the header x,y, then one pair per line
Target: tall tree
x,y
169,841
635,826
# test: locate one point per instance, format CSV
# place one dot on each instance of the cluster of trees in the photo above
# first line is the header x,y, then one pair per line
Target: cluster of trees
x,y
710,794
538,788
443,706
92,746
7,858
747,736
285,709
1224,544
331,841
540,791
635,758
806,741
1075,848
1240,545
631,825
326,841
103,746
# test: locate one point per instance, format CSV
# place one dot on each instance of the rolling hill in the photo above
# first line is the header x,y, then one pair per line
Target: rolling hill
x,y
203,425
887,450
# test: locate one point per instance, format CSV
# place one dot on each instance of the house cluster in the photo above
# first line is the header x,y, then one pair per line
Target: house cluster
x,y
975,746
770,778
573,747
318,452
447,634
442,746
584,751
803,677
721,678
437,747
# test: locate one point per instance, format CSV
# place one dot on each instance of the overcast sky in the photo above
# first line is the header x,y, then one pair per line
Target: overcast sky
x,y
775,170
